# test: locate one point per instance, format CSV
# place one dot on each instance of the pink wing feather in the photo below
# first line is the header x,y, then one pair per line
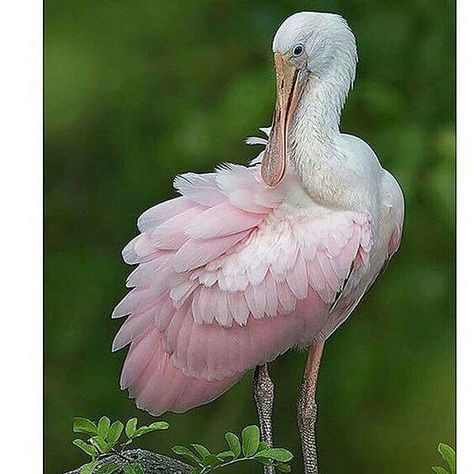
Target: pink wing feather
x,y
229,276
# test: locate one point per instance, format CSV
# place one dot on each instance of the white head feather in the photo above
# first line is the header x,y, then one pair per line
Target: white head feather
x,y
327,41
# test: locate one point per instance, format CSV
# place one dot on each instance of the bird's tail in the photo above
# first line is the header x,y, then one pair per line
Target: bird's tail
x,y
159,386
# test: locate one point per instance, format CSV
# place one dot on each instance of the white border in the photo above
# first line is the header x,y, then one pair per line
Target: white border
x,y
21,434
21,33
465,237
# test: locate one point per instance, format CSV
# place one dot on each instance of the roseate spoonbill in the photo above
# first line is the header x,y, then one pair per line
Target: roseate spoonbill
x,y
251,261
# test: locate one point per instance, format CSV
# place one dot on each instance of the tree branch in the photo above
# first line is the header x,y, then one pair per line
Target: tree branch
x,y
151,463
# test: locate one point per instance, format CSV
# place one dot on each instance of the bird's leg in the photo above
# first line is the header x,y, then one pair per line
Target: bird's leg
x,y
263,393
307,408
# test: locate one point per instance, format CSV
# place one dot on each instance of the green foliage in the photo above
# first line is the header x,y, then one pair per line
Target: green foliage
x,y
132,468
234,443
250,440
105,438
89,468
449,456
251,448
108,468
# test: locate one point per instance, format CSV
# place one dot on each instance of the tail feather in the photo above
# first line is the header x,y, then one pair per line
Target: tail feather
x,y
159,386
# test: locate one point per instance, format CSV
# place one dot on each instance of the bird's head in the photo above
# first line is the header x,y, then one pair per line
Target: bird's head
x,y
308,45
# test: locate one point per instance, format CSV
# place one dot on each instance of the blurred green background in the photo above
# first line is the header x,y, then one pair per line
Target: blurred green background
x,y
138,91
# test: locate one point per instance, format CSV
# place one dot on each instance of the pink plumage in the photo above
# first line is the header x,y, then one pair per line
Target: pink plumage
x,y
230,275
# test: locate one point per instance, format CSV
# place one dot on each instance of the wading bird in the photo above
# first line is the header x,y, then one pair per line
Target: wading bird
x,y
251,261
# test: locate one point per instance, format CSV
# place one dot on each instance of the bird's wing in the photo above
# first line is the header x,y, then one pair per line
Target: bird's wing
x,y
229,276
393,210
395,204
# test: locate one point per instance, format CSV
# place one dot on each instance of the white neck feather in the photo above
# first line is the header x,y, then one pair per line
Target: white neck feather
x,y
318,115
314,135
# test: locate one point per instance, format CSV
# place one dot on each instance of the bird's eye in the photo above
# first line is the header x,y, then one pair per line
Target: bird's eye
x,y
298,50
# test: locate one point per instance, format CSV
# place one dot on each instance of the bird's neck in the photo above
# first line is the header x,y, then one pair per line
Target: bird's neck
x,y
314,136
318,115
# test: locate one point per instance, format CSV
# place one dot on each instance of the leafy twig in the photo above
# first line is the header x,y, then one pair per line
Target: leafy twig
x,y
105,437
251,448
449,456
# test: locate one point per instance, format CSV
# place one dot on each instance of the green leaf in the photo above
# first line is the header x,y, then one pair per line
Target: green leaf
x,y
108,468
101,444
133,468
86,447
196,470
250,440
187,454
212,460
262,446
115,432
103,427
137,469
449,455
83,425
128,469
439,470
201,450
234,443
130,427
275,454
141,431
158,425
89,468
283,467
226,455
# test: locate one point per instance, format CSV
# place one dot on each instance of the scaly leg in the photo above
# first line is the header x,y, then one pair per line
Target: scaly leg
x,y
263,393
307,408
